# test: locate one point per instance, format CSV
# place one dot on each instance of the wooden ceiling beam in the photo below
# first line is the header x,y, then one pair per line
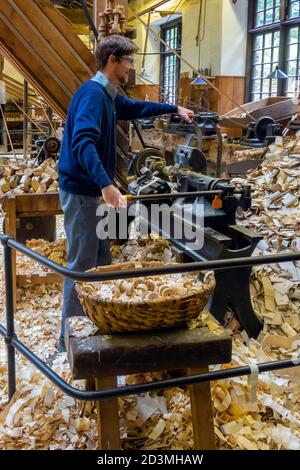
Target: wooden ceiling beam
x,y
41,44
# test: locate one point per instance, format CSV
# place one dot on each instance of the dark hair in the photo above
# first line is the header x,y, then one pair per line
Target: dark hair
x,y
113,45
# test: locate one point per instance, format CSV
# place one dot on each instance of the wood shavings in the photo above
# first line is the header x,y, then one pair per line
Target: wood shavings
x,y
274,214
82,327
158,430
248,154
82,424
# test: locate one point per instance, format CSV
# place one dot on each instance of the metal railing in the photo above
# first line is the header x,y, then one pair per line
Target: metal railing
x,y
13,344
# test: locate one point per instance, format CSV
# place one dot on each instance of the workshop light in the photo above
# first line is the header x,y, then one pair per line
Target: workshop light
x,y
277,73
199,81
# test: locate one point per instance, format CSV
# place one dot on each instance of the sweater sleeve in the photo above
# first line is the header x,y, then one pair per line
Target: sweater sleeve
x,y
86,133
127,108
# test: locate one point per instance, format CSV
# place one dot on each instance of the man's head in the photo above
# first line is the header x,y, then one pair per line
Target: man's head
x,y
115,57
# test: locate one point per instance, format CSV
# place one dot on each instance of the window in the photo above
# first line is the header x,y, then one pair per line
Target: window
x,y
274,40
267,12
170,63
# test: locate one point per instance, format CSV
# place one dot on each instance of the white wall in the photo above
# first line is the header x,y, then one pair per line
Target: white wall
x,y
209,49
152,62
234,38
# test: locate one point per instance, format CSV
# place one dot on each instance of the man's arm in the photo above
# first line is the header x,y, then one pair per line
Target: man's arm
x,y
127,109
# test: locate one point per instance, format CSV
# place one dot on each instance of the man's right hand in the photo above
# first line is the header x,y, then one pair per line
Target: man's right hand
x,y
113,198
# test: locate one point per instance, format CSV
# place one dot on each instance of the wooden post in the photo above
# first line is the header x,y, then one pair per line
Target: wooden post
x,y
202,415
108,417
2,133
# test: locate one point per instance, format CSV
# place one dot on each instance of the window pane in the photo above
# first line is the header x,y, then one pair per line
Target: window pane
x,y
268,55
266,86
260,5
275,54
269,16
276,38
292,51
274,86
256,86
258,41
266,70
257,59
294,8
293,35
257,71
260,19
268,39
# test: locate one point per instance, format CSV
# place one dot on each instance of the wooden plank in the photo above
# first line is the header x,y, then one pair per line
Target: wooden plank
x,y
34,46
37,203
168,349
108,417
71,41
239,89
27,204
55,41
12,81
40,213
56,106
29,280
26,64
37,40
202,414
58,32
18,91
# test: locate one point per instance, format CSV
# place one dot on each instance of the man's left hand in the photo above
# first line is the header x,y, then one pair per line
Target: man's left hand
x,y
186,114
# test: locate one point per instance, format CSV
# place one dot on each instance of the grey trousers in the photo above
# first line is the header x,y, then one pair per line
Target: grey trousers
x,y
84,249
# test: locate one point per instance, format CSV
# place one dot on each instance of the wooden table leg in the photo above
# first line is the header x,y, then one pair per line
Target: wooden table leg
x,y
202,415
108,417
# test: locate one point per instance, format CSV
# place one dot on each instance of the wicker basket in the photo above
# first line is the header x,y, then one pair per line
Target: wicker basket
x,y
114,315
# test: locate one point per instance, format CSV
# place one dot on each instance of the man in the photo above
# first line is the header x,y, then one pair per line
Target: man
x,y
88,159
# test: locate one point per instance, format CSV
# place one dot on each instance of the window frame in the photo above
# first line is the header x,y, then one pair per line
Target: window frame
x,y
283,25
164,54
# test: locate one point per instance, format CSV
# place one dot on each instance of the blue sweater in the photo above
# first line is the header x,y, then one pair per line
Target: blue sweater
x,y
87,161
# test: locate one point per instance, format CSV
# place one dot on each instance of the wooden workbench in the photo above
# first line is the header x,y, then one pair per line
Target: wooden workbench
x,y
103,358
29,205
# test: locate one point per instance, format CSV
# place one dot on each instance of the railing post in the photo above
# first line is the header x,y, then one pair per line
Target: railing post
x,y
10,326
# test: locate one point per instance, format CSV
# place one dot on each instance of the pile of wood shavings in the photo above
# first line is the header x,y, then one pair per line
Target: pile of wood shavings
x,y
275,214
266,417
